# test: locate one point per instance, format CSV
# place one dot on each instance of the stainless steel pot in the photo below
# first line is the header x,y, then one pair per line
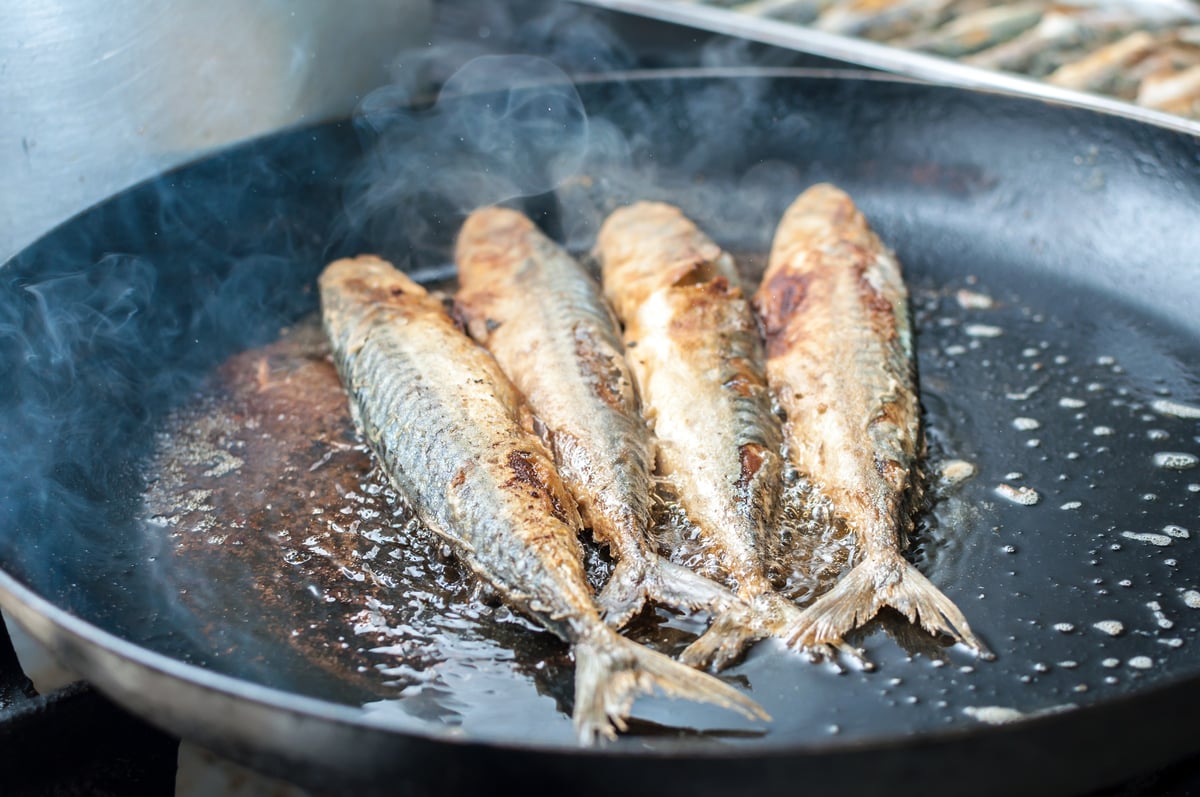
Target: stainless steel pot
x,y
98,96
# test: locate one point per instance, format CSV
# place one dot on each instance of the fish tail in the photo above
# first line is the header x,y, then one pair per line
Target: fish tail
x,y
885,579
611,672
730,634
635,580
741,624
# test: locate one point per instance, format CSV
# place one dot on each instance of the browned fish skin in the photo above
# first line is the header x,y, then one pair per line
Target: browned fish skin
x,y
542,317
693,345
834,310
445,425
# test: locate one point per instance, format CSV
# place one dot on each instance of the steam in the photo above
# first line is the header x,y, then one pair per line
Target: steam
x,y
516,130
121,315
506,127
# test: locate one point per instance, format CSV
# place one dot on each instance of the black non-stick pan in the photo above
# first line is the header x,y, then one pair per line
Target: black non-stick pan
x,y
189,529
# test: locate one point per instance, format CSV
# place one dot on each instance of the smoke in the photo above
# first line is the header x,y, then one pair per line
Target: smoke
x,y
548,134
505,128
121,315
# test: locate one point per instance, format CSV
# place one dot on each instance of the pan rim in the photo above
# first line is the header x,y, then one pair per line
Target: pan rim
x,y
17,600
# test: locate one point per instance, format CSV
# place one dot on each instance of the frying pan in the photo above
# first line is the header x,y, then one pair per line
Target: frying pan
x,y
1081,228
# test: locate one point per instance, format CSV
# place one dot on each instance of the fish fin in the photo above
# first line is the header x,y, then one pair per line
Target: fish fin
x,y
625,593
885,580
612,671
634,581
742,624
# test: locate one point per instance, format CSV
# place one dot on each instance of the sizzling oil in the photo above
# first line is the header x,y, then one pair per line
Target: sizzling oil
x,y
1056,514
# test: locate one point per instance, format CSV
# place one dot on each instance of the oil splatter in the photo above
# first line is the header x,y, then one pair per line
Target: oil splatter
x,y
1175,460
1148,537
1175,409
1025,496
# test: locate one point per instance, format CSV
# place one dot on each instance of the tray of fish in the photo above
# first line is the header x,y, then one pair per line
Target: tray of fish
x,y
1143,54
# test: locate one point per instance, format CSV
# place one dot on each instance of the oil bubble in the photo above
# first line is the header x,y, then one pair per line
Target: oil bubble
x,y
1175,460
1175,408
1026,496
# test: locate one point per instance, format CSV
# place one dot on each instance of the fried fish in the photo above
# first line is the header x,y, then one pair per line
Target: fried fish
x,y
694,348
543,318
834,310
446,426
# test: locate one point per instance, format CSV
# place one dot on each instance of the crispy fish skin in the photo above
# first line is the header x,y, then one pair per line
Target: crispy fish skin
x,y
693,345
834,310
445,424
543,318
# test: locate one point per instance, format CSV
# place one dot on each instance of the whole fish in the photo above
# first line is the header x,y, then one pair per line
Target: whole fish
x,y
834,310
1175,92
693,345
543,318
446,426
974,31
881,20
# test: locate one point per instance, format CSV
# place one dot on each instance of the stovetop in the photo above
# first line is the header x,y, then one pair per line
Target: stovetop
x,y
73,741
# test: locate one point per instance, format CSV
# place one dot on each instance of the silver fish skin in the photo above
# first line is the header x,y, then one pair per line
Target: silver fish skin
x,y
693,345
446,426
543,318
834,310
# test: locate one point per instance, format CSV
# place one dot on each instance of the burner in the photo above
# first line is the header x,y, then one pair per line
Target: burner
x,y
74,742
